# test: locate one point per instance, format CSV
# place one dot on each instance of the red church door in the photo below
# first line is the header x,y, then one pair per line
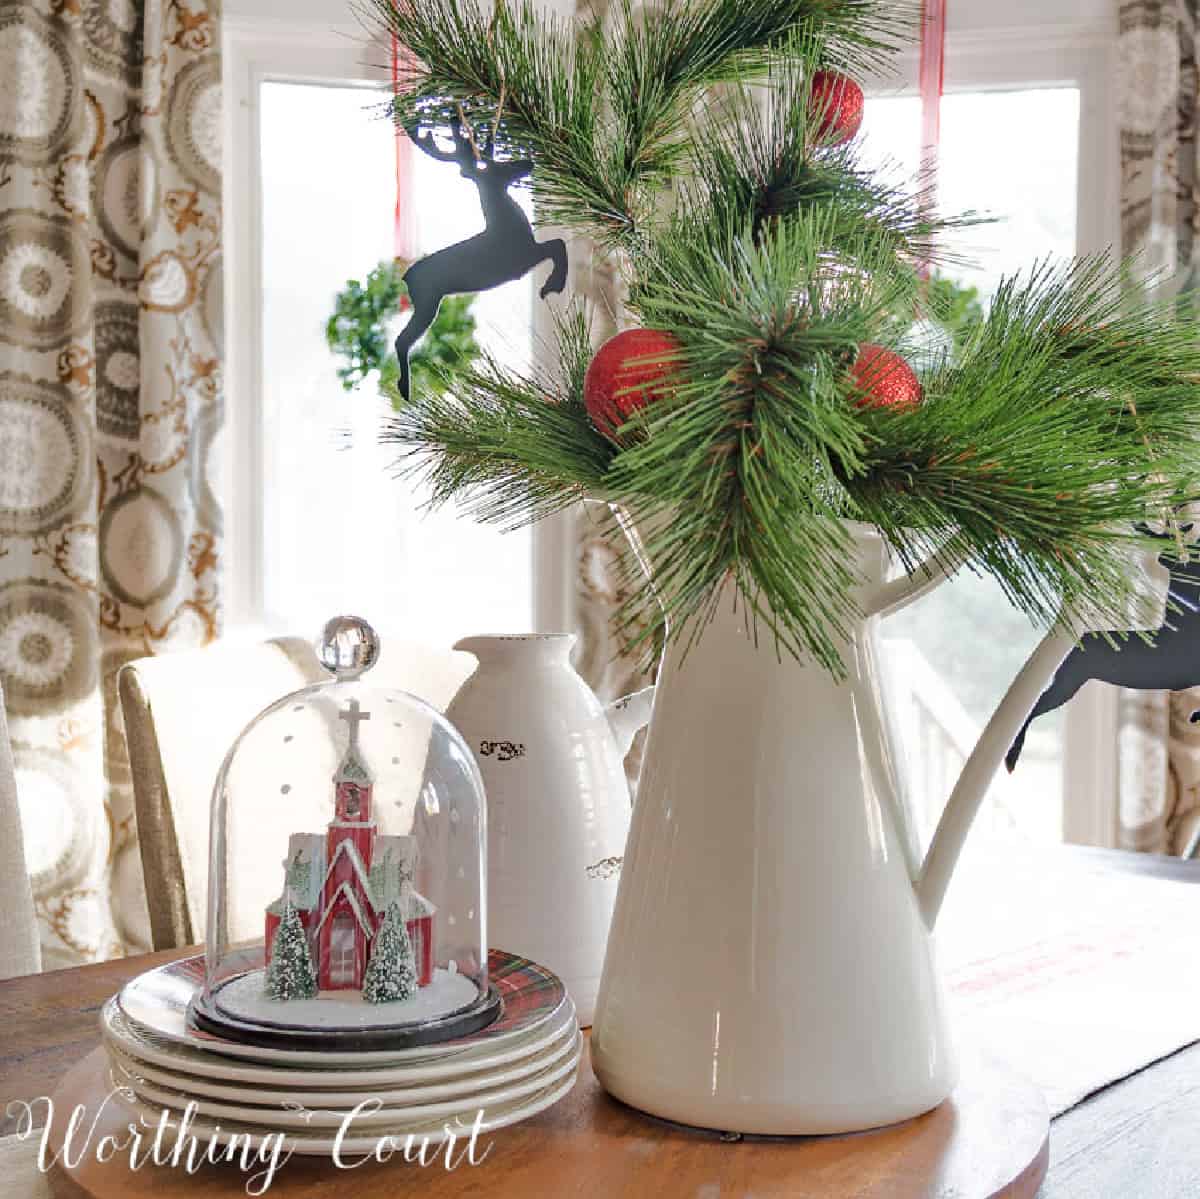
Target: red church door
x,y
343,964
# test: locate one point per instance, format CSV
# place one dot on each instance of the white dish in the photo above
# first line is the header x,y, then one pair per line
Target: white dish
x,y
258,1094
158,1001
432,1134
144,1046
293,1114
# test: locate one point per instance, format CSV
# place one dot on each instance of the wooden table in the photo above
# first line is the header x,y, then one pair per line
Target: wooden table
x,y
1133,1140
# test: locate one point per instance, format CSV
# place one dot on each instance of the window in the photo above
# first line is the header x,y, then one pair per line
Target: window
x,y
955,653
343,963
321,524
1027,114
1022,123
991,164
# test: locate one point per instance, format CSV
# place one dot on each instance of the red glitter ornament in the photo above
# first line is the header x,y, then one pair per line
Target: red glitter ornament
x,y
884,379
839,101
628,372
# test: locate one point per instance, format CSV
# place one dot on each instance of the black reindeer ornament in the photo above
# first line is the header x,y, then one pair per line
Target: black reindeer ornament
x,y
1168,661
504,251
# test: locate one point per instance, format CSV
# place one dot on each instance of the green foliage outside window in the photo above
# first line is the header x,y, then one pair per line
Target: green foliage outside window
x,y
358,332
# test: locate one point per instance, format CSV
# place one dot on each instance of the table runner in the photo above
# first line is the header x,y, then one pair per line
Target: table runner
x,y
1108,983
1075,974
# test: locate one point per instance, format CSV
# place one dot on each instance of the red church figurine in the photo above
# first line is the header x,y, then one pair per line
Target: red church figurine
x,y
342,882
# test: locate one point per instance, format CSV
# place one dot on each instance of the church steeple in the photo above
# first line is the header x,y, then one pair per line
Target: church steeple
x,y
353,780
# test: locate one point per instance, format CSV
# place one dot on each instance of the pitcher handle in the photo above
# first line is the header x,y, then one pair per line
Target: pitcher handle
x,y
902,591
1146,610
969,791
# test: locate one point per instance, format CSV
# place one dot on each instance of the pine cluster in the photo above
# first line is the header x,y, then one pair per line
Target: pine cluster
x,y
686,146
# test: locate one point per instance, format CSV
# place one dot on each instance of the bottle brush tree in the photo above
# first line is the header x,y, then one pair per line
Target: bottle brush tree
x,y
290,974
392,970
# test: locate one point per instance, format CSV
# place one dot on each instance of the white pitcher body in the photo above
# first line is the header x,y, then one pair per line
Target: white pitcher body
x,y
558,804
769,969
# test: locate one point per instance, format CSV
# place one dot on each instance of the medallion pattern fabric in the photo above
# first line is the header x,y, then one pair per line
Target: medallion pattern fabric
x,y
1158,745
110,402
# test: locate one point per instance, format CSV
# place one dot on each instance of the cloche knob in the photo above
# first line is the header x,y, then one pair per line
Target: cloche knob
x,y
348,647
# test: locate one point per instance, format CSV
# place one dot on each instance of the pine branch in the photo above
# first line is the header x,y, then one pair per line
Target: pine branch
x,y
509,449
1067,421
604,111
747,449
1064,423
773,166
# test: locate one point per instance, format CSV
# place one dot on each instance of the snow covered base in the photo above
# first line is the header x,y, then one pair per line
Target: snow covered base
x,y
244,998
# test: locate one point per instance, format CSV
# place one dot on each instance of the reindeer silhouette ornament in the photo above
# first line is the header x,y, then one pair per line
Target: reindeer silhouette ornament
x,y
1168,661
504,251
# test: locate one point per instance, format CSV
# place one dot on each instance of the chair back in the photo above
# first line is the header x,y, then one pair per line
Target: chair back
x,y
20,952
182,713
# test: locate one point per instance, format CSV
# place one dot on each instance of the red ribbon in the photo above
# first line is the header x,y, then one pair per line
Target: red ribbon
x,y
929,84
404,235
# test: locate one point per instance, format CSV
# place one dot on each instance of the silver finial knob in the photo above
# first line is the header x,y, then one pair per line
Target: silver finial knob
x,y
348,647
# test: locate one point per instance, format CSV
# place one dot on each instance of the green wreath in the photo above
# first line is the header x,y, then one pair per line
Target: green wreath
x,y
357,333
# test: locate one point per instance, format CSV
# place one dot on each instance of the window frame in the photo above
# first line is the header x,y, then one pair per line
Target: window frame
x,y
1048,43
257,50
1029,43
343,950
260,49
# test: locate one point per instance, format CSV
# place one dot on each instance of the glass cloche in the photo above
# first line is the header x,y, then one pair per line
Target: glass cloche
x,y
347,870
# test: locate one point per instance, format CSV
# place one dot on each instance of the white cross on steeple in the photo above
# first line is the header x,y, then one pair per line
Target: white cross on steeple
x,y
353,716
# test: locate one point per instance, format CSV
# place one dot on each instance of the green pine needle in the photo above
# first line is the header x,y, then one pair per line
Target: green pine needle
x,y
509,449
1064,421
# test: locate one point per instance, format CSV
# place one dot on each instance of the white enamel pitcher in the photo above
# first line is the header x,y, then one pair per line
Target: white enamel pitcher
x,y
770,965
551,755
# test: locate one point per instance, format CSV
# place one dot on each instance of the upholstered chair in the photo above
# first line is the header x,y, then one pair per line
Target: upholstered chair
x,y
182,712
19,949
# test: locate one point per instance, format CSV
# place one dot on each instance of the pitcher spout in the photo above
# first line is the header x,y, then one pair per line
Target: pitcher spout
x,y
628,714
525,646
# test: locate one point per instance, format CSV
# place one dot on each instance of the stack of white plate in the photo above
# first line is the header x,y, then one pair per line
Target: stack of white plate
x,y
519,1065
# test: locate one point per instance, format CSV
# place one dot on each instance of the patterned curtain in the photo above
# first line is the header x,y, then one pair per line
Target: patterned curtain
x,y
110,396
1158,746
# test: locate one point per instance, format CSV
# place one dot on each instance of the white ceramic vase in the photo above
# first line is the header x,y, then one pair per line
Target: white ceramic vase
x,y
551,755
770,967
